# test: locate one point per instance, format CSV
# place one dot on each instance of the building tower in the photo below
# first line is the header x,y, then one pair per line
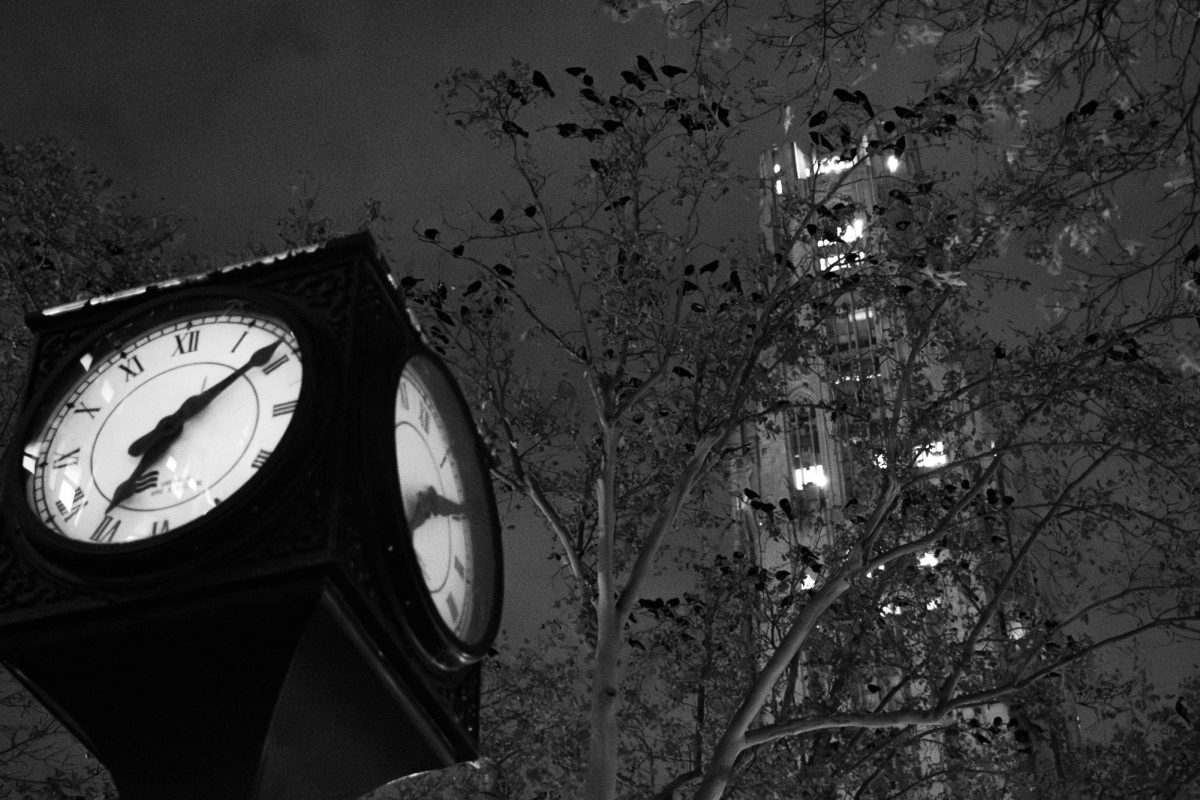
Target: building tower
x,y
812,459
804,454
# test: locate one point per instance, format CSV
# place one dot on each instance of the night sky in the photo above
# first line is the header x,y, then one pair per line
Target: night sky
x,y
213,109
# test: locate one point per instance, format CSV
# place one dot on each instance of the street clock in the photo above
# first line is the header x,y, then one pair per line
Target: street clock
x,y
237,493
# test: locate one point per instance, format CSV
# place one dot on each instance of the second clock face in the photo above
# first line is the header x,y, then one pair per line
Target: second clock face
x,y
448,509
160,431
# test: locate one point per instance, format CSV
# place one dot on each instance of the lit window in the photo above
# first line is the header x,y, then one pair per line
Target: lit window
x,y
778,187
854,377
932,456
802,170
814,475
854,231
833,165
834,262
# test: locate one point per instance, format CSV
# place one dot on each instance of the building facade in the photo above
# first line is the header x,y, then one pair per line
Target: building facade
x,y
806,454
814,459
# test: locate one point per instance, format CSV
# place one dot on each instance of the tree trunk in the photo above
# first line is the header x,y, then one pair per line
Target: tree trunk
x,y
601,781
604,734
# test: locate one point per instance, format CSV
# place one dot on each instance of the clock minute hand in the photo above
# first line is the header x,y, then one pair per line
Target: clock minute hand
x,y
197,402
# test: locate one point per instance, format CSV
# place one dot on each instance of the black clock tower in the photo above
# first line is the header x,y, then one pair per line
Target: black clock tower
x,y
214,568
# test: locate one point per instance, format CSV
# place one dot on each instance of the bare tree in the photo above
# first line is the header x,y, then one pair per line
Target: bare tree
x,y
619,352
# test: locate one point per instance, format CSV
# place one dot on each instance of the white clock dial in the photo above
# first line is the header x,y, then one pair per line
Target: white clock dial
x,y
157,433
434,499
448,506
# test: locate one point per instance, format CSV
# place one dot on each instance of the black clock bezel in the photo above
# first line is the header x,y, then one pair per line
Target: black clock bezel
x,y
405,591
92,561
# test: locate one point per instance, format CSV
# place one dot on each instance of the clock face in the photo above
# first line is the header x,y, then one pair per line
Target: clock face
x,y
447,500
160,430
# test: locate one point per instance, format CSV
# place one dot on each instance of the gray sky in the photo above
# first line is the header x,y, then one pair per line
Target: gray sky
x,y
213,108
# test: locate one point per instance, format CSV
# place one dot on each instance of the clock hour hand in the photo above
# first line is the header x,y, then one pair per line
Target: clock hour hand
x,y
430,504
129,487
197,402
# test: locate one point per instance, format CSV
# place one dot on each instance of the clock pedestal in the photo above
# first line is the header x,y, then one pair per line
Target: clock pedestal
x,y
173,716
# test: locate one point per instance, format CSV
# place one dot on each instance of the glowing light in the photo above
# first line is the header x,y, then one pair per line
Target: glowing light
x,y
73,474
802,170
30,456
85,361
778,187
933,456
814,475
854,378
834,262
66,493
890,609
854,231
928,560
933,604
833,165
893,163
809,582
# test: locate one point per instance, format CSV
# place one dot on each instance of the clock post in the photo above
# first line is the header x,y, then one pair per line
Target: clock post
x,y
211,571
